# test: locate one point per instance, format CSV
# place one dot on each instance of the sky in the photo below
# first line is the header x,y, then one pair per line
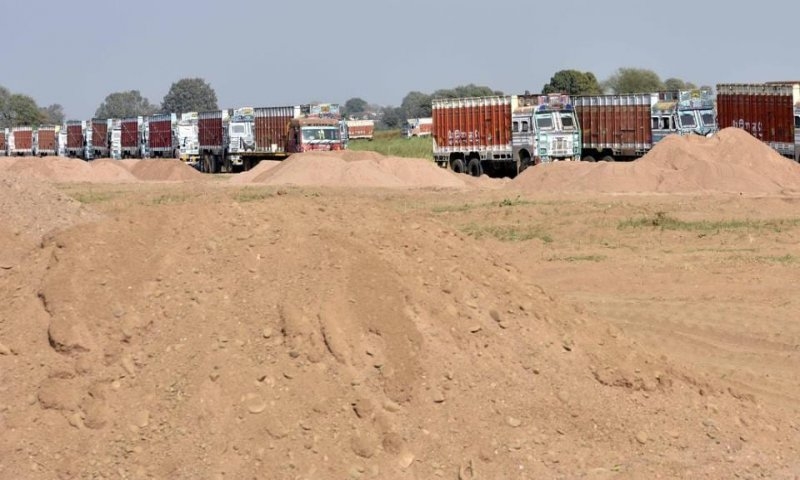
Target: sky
x,y
267,53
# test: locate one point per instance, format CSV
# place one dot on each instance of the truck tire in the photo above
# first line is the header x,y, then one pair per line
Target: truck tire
x,y
608,158
474,167
458,166
588,158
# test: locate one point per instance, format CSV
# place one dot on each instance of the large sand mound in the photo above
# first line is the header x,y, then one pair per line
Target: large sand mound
x,y
163,170
730,162
353,169
59,169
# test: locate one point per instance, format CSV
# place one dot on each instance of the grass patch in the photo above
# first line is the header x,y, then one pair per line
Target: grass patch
x,y
787,259
391,142
665,222
578,258
507,233
465,207
250,194
91,197
168,199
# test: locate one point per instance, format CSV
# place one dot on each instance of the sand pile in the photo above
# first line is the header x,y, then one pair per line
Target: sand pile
x,y
354,169
160,170
59,169
730,162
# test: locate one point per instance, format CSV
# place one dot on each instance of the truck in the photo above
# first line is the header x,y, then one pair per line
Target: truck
x,y
115,139
187,138
225,141
418,127
45,140
101,137
768,111
3,142
360,129
21,141
160,132
62,141
132,137
76,139
627,126
503,135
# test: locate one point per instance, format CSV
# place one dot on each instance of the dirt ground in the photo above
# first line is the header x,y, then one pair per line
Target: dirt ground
x,y
383,318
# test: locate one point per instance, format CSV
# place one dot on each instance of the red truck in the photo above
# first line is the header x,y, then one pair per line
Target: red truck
x,y
131,144
768,111
100,138
76,144
46,141
21,141
360,129
3,143
212,137
162,141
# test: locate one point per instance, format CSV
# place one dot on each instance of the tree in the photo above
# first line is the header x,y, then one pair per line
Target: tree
x,y
470,90
573,82
53,115
678,84
125,104
634,80
391,117
24,111
5,113
189,95
355,106
416,105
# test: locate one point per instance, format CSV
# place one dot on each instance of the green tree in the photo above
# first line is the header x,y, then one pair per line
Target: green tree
x,y
53,115
391,117
125,104
5,113
678,84
416,105
189,95
573,82
355,107
24,111
634,80
470,90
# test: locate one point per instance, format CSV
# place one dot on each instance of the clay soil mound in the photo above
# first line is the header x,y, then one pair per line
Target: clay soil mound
x,y
250,175
59,169
730,162
356,169
163,170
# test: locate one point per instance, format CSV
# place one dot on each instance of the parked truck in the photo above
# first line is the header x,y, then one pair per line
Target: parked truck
x,y
161,134
418,127
101,138
76,138
21,141
132,138
45,140
768,111
188,142
627,126
503,135
360,129
235,140
3,141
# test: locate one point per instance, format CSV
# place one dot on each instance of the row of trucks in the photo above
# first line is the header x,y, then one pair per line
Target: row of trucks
x,y
503,135
26,141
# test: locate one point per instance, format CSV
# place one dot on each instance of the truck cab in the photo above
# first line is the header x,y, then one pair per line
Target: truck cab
x,y
544,128
188,141
683,113
241,133
314,134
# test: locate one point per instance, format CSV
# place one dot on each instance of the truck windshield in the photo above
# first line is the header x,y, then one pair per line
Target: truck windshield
x,y
687,120
567,121
239,129
544,121
311,134
707,116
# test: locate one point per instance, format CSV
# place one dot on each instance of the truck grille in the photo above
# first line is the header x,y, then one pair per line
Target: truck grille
x,y
561,147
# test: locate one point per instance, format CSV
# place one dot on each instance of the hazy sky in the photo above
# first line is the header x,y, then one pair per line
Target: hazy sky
x,y
263,53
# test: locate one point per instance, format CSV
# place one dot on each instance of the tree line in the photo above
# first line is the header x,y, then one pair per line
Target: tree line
x,y
195,95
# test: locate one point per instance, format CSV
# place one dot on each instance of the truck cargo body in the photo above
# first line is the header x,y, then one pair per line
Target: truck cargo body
x,y
418,127
625,127
75,139
3,142
100,138
272,129
769,112
23,141
212,140
503,135
46,141
131,137
161,140
360,129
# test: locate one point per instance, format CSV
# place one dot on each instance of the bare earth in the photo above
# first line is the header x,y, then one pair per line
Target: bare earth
x,y
359,316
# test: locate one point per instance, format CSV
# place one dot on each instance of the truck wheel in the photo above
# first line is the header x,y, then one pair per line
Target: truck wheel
x,y
588,158
475,168
457,165
608,158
